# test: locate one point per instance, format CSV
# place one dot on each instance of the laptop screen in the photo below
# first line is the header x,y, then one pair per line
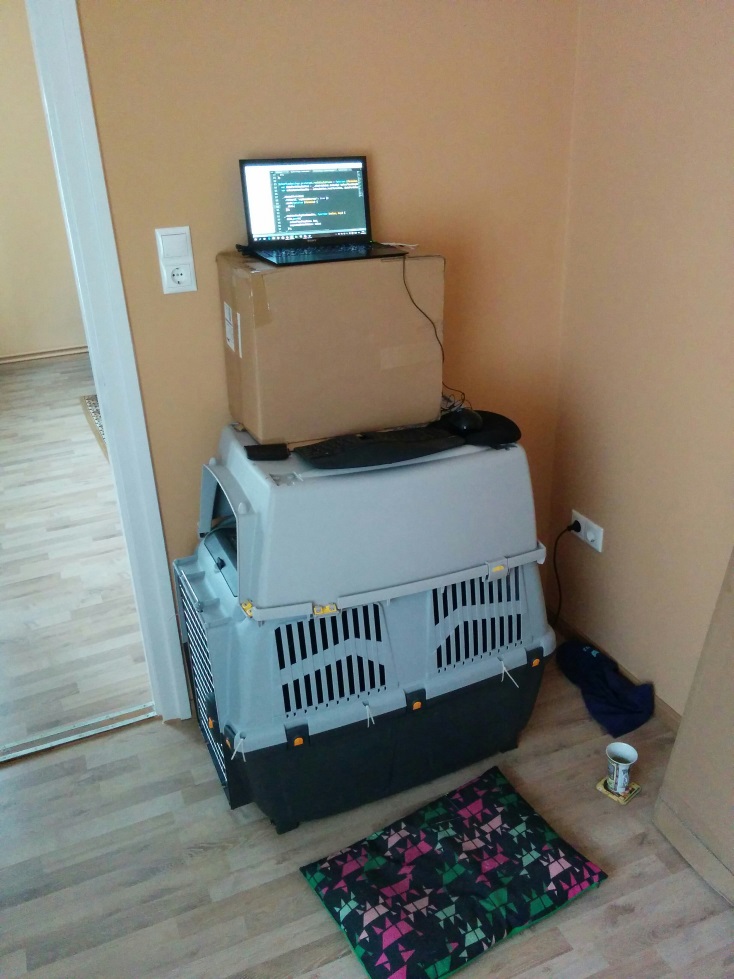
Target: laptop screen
x,y
294,202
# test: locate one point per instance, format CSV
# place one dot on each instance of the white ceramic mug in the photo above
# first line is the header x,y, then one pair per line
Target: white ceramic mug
x,y
620,757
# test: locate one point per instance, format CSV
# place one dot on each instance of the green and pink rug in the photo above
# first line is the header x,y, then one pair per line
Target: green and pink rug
x,y
426,895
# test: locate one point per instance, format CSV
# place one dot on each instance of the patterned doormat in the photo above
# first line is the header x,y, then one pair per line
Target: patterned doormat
x,y
90,404
426,895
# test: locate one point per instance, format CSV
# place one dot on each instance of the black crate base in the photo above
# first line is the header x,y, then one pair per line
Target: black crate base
x,y
351,766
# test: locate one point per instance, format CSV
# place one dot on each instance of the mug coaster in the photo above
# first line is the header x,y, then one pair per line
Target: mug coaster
x,y
632,789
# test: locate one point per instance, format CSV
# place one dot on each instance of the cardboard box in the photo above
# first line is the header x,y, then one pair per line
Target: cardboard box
x,y
331,348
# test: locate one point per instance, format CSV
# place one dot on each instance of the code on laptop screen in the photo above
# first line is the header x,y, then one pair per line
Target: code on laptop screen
x,y
308,199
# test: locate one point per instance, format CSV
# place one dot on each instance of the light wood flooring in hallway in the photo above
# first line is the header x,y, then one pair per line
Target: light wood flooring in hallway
x,y
120,859
70,646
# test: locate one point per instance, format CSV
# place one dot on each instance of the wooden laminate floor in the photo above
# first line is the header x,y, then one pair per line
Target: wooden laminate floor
x,y
119,857
70,646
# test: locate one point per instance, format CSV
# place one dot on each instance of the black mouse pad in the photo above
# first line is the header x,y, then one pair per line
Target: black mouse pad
x,y
498,430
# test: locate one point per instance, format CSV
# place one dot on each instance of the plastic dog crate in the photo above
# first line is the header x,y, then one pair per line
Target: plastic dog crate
x,y
352,633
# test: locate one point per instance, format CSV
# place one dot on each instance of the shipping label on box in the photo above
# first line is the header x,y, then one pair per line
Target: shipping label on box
x,y
228,326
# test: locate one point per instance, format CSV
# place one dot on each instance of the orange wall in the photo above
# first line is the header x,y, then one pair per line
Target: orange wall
x,y
646,409
598,307
39,308
463,110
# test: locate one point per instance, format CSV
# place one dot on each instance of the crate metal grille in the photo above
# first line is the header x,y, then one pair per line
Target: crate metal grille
x,y
329,660
201,671
476,618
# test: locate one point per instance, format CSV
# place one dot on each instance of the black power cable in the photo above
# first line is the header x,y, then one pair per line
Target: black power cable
x,y
454,402
575,527
422,311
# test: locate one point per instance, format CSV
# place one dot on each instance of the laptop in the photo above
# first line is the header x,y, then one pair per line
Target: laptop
x,y
309,210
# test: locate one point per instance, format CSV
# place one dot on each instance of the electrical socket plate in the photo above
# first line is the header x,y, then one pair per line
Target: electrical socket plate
x,y
590,533
176,259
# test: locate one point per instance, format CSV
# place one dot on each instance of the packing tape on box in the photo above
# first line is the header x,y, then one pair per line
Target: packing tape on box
x,y
260,305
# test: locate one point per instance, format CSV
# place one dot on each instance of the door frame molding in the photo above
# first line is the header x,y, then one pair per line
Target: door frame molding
x,y
66,96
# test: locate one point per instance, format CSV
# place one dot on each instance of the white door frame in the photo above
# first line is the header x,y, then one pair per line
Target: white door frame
x,y
62,72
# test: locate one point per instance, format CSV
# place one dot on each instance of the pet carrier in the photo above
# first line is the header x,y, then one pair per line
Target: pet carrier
x,y
351,633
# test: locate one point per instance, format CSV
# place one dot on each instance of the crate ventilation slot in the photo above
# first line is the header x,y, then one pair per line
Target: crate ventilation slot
x,y
203,682
475,619
325,661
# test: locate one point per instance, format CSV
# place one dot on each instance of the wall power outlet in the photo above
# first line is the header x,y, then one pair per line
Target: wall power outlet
x,y
176,259
590,532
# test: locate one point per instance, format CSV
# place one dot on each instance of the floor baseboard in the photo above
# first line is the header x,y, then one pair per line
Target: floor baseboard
x,y
43,355
693,849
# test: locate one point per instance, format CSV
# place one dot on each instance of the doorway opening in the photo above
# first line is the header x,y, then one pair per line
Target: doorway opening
x,y
71,655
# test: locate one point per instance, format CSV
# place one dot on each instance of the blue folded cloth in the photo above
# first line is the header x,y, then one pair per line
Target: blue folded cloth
x,y
614,701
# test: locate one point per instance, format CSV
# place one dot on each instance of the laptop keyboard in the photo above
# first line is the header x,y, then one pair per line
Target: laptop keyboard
x,y
323,252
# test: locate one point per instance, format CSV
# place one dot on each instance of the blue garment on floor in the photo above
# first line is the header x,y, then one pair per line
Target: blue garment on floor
x,y
617,703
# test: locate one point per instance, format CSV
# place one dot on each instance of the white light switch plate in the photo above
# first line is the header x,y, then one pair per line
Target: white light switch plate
x,y
176,259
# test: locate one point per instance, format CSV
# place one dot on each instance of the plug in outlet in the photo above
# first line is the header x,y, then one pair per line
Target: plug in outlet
x,y
590,533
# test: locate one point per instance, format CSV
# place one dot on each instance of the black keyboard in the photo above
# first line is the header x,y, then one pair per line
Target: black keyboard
x,y
377,448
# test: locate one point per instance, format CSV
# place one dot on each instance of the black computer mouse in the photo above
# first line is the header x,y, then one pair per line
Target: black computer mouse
x,y
463,422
